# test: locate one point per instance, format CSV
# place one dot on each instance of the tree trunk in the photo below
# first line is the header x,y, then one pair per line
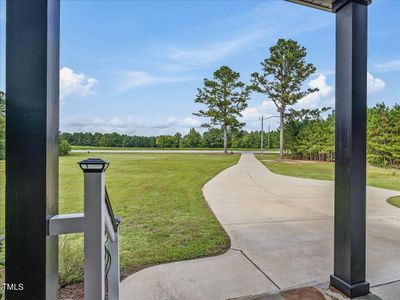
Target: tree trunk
x,y
282,120
225,140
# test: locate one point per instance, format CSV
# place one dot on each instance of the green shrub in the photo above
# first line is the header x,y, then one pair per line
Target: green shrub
x,y
64,147
71,258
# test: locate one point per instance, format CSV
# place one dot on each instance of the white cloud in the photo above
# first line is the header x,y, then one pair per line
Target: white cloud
x,y
132,125
97,122
191,122
388,66
209,53
139,78
266,108
135,79
72,83
323,97
117,122
374,84
172,121
252,115
320,83
244,33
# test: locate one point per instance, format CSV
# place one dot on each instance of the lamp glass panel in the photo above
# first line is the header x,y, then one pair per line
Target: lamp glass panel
x,y
95,166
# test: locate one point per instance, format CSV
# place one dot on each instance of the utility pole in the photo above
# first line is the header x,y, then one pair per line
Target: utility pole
x,y
262,134
269,133
262,131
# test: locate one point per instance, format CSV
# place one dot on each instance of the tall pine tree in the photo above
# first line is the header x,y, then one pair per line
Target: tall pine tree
x,y
225,97
283,74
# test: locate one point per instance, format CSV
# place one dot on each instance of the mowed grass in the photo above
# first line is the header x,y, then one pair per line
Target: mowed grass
x,y
159,198
377,177
395,201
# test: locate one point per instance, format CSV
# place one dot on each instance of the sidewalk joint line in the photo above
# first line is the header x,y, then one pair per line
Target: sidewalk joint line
x,y
257,267
282,198
385,283
262,187
280,221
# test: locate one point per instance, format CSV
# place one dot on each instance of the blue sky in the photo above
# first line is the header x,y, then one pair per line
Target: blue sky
x,y
134,66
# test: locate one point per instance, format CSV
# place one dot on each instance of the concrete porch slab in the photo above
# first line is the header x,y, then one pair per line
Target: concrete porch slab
x,y
218,277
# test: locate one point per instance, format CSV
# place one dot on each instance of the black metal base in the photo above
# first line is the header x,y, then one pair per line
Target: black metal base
x,y
351,291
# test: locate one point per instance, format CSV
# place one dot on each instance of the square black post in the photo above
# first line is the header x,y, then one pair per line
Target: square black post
x,y
350,160
32,87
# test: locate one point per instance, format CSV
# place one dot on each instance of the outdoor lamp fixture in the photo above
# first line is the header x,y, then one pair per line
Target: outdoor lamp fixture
x,y
94,165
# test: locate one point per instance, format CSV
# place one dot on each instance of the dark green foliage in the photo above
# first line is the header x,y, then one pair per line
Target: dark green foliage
x,y
213,138
64,147
192,139
178,137
108,139
315,140
310,136
384,135
283,74
225,97
167,141
252,139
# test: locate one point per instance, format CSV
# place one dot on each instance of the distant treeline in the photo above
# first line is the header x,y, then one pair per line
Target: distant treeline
x,y
311,137
384,135
107,139
308,135
213,138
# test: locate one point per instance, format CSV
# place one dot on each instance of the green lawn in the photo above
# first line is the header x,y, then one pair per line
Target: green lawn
x,y
395,201
378,177
159,198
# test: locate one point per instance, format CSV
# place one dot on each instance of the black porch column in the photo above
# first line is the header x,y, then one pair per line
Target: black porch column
x,y
32,87
350,160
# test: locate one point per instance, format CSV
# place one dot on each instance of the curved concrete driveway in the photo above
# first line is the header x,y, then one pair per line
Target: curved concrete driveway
x,y
281,230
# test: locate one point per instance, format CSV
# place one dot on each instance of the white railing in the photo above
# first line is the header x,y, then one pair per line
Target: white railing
x,y
101,237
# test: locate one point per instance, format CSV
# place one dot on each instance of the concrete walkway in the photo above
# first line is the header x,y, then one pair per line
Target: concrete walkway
x,y
281,229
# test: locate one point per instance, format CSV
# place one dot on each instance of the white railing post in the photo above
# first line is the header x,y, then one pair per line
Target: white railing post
x,y
96,221
94,229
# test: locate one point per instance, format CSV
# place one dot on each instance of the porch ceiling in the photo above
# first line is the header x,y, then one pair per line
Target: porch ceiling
x,y
320,4
328,5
